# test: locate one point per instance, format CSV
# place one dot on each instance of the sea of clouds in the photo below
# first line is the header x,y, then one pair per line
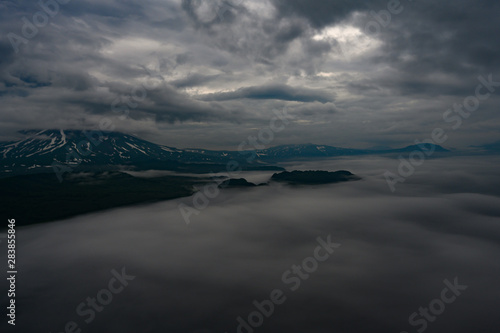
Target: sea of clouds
x,y
396,250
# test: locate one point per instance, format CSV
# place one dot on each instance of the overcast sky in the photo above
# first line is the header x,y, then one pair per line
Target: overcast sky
x,y
208,73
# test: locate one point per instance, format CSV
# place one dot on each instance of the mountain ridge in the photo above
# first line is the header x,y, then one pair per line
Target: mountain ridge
x,y
82,149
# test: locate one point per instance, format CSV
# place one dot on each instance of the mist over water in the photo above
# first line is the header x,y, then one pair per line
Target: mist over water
x,y
396,251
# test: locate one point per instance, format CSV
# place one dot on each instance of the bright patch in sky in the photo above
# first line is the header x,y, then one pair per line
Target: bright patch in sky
x,y
353,41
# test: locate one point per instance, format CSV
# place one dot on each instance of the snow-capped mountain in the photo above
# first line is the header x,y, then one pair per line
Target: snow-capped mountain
x,y
40,150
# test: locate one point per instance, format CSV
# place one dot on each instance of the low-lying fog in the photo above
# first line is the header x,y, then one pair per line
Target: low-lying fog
x,y
396,251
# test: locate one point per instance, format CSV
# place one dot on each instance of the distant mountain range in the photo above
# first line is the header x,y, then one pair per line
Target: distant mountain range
x,y
83,150
489,148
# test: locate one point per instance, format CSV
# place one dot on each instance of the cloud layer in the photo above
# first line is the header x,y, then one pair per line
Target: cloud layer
x,y
395,253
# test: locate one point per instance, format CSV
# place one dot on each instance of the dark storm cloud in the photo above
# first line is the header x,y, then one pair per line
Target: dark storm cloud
x,y
273,91
314,109
431,41
323,13
193,80
427,40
